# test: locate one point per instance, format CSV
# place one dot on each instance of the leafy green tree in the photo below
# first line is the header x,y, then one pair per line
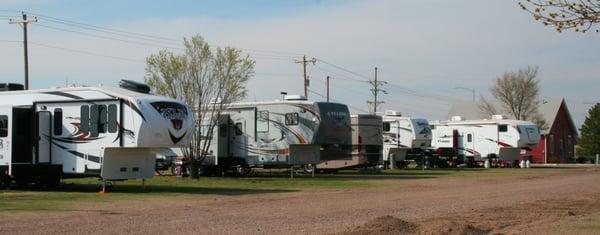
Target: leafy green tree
x,y
589,138
208,80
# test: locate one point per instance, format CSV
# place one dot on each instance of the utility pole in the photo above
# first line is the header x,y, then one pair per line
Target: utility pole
x,y
24,22
327,89
375,90
306,82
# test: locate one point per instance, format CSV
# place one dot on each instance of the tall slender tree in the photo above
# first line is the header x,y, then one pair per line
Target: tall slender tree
x,y
589,138
207,81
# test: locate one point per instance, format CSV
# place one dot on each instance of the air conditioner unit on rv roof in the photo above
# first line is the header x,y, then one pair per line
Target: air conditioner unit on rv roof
x,y
294,97
393,113
497,117
456,118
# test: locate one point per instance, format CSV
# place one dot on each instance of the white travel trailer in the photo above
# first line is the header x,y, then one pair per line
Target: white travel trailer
x,y
404,138
112,133
367,144
498,138
278,134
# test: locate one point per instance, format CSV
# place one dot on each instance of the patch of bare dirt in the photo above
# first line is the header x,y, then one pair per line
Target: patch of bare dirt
x,y
507,204
383,225
392,225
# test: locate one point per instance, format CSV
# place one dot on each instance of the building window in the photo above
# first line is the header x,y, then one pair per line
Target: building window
x,y
58,120
292,119
3,126
386,126
239,128
262,123
502,128
223,130
469,138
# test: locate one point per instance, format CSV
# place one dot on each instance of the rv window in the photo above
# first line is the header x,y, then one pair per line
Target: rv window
x,y
469,138
102,118
58,120
386,126
94,120
112,118
239,128
292,119
84,125
262,122
502,128
3,126
223,130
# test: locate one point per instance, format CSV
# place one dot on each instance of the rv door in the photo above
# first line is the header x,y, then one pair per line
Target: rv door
x,y
5,137
44,119
223,137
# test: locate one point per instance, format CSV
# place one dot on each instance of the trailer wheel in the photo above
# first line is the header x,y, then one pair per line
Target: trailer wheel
x,y
243,170
309,168
4,181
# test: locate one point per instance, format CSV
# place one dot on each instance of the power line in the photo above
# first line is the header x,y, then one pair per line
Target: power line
x,y
87,53
344,69
141,36
322,96
110,38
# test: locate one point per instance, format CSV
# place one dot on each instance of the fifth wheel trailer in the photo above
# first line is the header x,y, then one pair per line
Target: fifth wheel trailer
x,y
367,144
404,138
108,132
277,134
483,140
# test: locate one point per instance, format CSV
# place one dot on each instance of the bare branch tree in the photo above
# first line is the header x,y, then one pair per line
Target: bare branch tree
x,y
206,81
517,94
580,15
487,107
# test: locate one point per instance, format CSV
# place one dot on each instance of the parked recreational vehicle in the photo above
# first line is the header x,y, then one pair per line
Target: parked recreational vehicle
x,y
113,133
367,144
479,140
404,138
279,134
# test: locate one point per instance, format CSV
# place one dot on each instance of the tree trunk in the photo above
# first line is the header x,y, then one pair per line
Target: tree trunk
x,y
194,165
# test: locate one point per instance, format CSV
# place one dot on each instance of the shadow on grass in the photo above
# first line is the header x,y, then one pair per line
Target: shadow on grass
x,y
364,175
154,189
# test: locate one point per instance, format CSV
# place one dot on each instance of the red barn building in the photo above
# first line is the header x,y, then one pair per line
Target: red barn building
x,y
557,143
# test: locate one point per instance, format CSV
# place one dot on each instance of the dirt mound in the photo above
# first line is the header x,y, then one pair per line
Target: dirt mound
x,y
384,225
447,227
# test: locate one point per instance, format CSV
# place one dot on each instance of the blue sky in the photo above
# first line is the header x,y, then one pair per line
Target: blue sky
x,y
425,48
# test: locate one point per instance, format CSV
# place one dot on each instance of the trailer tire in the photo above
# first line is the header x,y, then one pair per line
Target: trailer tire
x,y
309,168
4,181
243,170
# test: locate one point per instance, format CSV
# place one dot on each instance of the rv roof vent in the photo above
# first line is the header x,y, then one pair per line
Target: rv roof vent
x,y
134,86
497,117
294,97
456,118
11,87
215,100
393,113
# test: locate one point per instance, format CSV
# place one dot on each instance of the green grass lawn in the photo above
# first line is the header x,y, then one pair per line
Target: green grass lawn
x,y
77,191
